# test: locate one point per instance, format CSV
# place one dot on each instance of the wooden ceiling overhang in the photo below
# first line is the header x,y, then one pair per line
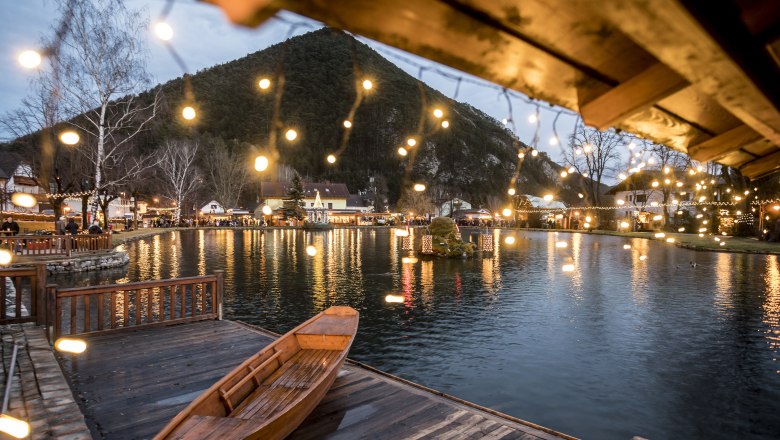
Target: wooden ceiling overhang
x,y
700,76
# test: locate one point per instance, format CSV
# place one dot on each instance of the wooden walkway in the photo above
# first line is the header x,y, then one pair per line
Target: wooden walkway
x,y
130,384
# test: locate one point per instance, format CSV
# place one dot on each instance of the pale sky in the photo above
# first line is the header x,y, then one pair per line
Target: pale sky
x,y
203,37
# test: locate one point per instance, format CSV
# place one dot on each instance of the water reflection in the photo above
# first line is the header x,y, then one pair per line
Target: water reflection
x,y
677,351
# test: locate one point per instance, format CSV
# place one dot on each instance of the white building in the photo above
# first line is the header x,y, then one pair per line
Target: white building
x,y
459,204
641,198
16,176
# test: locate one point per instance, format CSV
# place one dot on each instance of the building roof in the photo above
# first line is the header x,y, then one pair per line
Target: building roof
x,y
356,201
278,190
9,162
539,202
700,77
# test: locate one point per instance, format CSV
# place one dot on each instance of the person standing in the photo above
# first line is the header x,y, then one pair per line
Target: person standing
x,y
59,226
72,227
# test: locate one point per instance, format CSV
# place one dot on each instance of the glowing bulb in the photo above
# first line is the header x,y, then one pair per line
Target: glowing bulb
x,y
13,426
419,187
654,184
561,244
408,260
267,210
69,137
642,257
681,229
331,158
264,83
624,225
588,218
670,240
679,184
394,299
402,151
163,30
581,195
553,141
512,192
411,142
586,225
521,155
587,148
70,345
776,207
534,153
438,113
626,246
261,163
507,212
445,124
30,59
660,235
23,200
622,176
568,268
621,202
311,250
188,113
5,257
347,124
564,173
572,170
533,119
631,145
667,170
548,197
509,240
291,134
367,84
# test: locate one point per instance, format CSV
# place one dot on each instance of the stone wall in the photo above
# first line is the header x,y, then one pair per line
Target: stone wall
x,y
90,262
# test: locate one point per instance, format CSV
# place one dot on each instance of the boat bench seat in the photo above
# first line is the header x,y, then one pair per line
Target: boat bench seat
x,y
285,385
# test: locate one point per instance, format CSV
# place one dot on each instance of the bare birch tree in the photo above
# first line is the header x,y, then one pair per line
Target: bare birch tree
x,y
228,174
180,176
593,154
102,66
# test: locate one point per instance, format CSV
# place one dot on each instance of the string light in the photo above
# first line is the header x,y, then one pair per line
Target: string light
x,y
419,187
512,192
23,200
69,137
402,151
5,257
261,163
163,30
411,142
264,83
437,113
331,158
445,124
291,135
188,113
30,59
367,84
267,210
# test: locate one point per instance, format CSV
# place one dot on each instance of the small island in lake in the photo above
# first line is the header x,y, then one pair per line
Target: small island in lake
x,y
446,240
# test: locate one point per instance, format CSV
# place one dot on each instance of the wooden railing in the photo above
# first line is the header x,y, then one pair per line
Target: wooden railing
x,y
99,309
67,245
22,295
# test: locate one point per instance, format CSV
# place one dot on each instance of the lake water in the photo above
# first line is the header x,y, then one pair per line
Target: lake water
x,y
621,346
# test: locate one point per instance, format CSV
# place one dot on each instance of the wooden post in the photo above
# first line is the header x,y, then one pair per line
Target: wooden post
x,y
68,244
39,294
52,313
110,240
220,274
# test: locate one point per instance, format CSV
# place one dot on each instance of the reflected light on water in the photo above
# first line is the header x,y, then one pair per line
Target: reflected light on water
x,y
394,299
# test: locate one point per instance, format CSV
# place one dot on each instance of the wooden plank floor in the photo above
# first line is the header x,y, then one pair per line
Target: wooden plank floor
x,y
130,384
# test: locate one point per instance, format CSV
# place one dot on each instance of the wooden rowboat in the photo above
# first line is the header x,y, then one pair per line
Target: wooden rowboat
x,y
272,392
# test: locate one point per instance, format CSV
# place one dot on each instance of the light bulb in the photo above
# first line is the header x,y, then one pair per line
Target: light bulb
x,y
534,153
331,158
367,84
512,192
402,151
163,30
411,142
188,113
267,210
261,163
30,59
69,137
438,113
445,124
347,124
291,134
264,83
419,187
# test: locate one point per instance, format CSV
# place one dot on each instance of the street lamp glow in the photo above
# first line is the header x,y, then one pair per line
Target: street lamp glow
x,y
512,192
13,426
23,200
402,151
30,59
347,124
419,187
163,30
264,83
69,137
261,163
367,84
267,210
291,134
548,197
311,250
331,158
70,345
5,257
438,113
507,212
188,113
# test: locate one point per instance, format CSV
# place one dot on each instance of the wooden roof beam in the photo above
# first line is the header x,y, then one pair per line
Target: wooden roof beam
x,y
761,167
638,93
724,143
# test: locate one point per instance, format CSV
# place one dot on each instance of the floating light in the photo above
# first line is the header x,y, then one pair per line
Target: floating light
x,y
631,145
622,176
509,240
548,197
723,243
534,153
402,151
347,124
578,151
267,210
419,187
505,121
394,299
445,124
511,191
163,30
568,268
264,83
331,158
651,161
667,170
311,250
23,200
30,59
588,218
13,426
411,142
572,170
408,260
438,113
367,84
561,244
5,257
261,163
587,148
70,345
69,137
188,113
626,246
291,134
507,212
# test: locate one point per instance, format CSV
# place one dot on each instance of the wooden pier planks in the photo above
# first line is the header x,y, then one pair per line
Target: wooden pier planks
x,y
131,384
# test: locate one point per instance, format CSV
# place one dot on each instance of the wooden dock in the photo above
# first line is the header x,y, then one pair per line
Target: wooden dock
x,y
129,384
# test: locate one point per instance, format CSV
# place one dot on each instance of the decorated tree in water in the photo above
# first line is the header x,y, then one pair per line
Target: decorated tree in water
x,y
446,239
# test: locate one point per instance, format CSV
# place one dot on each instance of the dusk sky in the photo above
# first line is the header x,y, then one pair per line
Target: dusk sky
x,y
203,37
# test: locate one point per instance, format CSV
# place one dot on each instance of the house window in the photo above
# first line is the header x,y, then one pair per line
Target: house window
x,y
630,197
641,198
312,204
330,205
213,207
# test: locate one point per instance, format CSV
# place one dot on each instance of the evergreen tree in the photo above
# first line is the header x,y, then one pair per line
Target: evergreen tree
x,y
295,191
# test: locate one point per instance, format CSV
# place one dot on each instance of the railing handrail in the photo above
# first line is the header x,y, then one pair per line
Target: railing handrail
x,y
109,288
17,272
44,237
